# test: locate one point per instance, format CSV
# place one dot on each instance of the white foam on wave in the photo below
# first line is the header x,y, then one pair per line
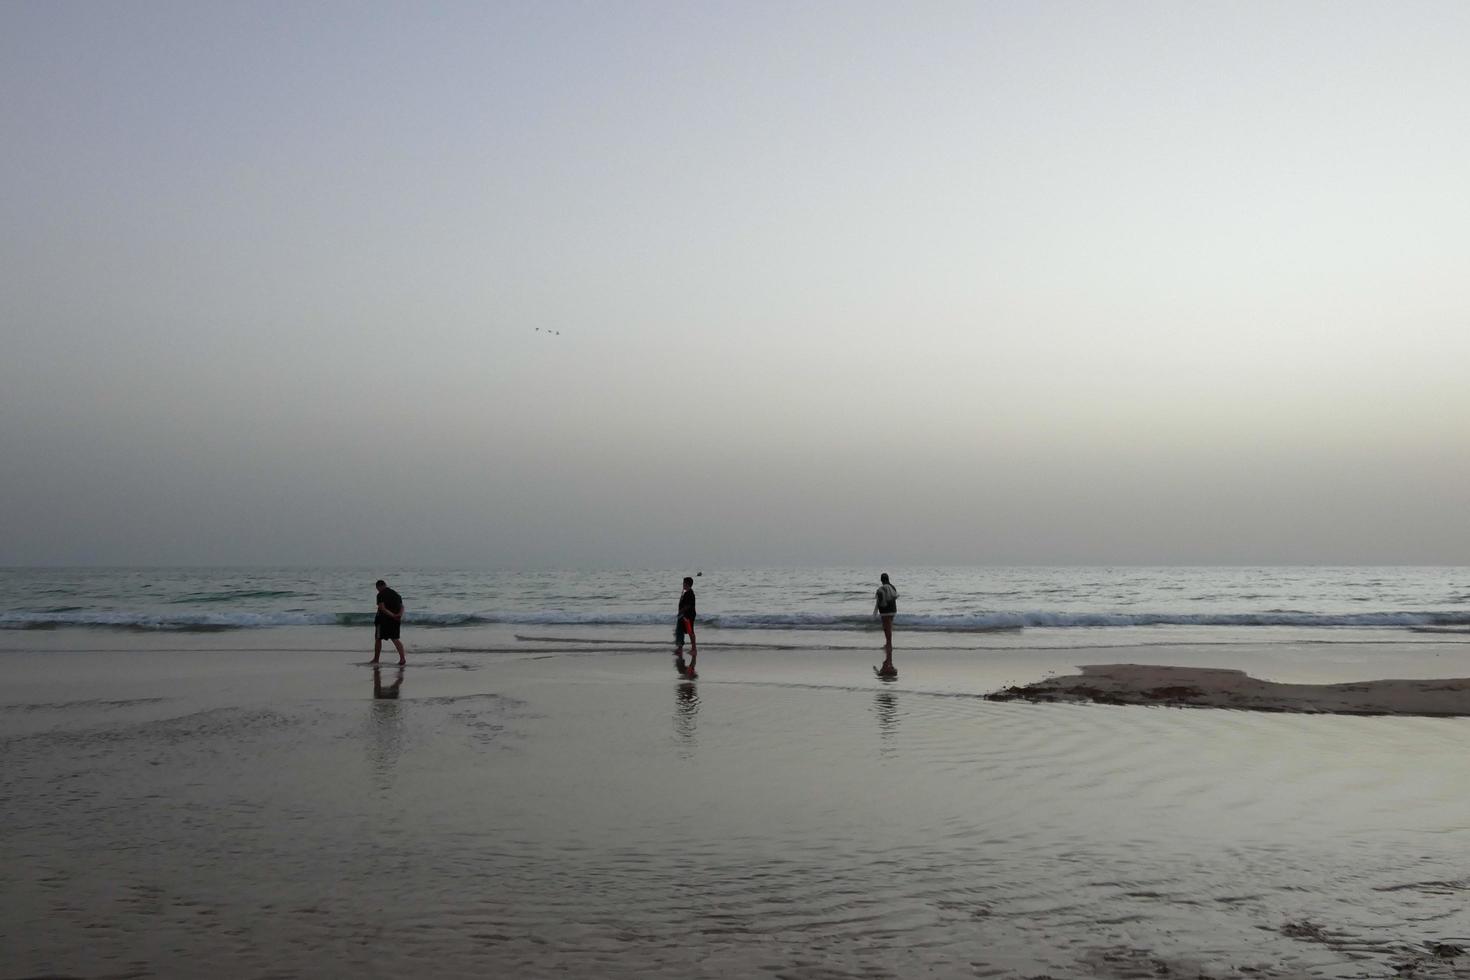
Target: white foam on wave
x,y
118,619
912,622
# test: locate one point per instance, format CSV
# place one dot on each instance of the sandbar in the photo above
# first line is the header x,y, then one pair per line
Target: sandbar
x,y
1210,687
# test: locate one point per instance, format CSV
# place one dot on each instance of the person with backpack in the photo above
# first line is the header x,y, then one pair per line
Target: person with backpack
x,y
885,608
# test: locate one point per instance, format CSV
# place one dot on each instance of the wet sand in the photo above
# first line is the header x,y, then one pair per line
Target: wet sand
x,y
1204,687
241,805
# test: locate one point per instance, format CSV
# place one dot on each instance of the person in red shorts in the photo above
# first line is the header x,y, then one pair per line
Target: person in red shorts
x,y
684,623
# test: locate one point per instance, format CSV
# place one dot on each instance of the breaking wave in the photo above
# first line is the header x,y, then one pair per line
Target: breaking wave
x,y
73,617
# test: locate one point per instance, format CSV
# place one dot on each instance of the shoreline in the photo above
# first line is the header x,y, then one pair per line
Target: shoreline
x,y
1279,672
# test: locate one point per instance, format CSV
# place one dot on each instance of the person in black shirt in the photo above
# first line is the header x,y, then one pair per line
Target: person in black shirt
x,y
684,623
387,621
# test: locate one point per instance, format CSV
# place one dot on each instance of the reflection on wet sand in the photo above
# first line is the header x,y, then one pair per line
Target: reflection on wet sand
x,y
386,723
885,706
686,710
391,691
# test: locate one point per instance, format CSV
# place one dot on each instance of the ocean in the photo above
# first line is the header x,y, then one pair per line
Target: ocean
x,y
203,778
932,600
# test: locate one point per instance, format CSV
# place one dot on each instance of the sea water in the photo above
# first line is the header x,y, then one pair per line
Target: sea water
x,y
937,600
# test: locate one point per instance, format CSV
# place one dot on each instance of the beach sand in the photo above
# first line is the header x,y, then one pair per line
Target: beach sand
x,y
241,805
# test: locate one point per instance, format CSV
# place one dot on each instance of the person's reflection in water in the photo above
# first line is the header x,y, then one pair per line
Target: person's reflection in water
x,y
885,705
686,709
389,693
387,724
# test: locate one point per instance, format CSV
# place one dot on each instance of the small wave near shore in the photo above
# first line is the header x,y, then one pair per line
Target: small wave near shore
x,y
954,600
206,620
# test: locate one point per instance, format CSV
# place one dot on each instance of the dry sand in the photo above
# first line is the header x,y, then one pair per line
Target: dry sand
x,y
1209,687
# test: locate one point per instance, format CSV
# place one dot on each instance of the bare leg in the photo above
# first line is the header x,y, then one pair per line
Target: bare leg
x,y
399,644
693,648
377,645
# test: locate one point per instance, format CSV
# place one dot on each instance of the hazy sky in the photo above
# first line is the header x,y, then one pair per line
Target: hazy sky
x,y
835,282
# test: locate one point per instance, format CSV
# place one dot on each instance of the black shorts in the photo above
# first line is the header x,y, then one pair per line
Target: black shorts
x,y
388,627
